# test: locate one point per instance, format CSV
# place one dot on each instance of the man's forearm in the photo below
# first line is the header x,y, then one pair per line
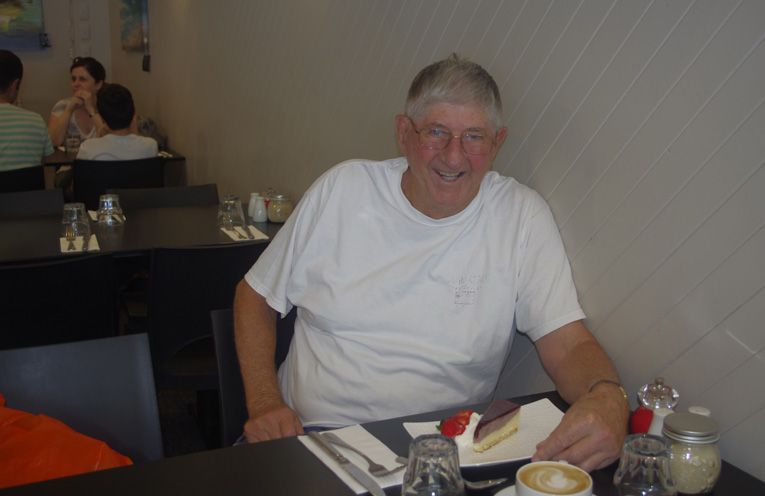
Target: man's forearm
x,y
255,334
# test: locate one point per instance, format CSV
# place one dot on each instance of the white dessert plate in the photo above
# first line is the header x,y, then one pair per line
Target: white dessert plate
x,y
538,420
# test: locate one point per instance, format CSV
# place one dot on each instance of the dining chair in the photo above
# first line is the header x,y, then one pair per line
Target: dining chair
x,y
233,406
185,285
24,179
91,178
176,196
50,302
31,203
103,388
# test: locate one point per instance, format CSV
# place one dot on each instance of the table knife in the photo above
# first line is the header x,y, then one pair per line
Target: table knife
x,y
247,230
85,242
362,477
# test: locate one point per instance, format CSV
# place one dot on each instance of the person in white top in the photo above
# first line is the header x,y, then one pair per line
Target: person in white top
x,y
409,276
116,107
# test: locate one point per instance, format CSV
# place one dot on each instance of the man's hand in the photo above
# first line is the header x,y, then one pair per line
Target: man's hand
x,y
592,431
274,424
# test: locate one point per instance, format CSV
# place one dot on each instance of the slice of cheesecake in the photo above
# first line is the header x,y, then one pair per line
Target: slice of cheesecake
x,y
499,422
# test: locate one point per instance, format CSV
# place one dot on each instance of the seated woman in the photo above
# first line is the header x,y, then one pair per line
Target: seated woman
x,y
77,116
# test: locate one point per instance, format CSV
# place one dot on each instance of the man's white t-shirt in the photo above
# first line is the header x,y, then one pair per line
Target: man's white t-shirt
x,y
399,313
113,147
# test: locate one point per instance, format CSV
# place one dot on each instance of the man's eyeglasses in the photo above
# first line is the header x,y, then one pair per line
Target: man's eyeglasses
x,y
473,143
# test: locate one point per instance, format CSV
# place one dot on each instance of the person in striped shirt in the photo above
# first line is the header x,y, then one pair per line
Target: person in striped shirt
x,y
24,137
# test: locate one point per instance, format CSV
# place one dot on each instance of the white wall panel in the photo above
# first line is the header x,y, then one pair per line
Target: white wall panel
x,y
641,122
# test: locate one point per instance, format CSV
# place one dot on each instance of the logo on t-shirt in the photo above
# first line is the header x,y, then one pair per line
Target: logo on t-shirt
x,y
466,288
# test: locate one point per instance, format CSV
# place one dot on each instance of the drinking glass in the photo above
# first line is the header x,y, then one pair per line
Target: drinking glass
x,y
433,468
75,217
230,213
644,467
72,145
109,210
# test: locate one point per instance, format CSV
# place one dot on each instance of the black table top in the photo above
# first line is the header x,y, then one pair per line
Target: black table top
x,y
37,238
285,466
60,157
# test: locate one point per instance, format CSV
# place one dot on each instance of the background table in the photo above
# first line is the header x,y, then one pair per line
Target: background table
x,y
285,466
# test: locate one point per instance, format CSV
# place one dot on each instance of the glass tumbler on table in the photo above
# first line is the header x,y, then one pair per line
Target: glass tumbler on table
x,y
433,468
109,210
75,218
230,213
644,468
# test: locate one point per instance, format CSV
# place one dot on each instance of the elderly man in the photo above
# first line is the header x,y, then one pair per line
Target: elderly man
x,y
408,274
24,138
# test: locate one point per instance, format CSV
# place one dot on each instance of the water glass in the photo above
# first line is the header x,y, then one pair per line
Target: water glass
x,y
433,468
110,211
76,218
230,213
644,468
72,145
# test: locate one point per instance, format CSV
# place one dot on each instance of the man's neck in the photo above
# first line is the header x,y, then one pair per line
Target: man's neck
x,y
120,132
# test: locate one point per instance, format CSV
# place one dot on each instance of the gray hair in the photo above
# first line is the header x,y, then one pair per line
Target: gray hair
x,y
457,81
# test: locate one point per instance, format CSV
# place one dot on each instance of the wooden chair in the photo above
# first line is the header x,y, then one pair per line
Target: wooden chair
x,y
103,388
233,406
177,196
65,300
24,179
31,203
93,177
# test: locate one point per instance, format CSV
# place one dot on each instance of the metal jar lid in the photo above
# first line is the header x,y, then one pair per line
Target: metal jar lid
x,y
278,198
691,428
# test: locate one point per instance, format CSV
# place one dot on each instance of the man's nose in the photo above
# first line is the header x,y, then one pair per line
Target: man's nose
x,y
453,155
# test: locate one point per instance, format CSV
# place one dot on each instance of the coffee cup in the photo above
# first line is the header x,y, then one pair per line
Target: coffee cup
x,y
552,478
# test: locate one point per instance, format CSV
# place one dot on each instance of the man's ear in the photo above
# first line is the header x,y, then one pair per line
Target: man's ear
x,y
402,127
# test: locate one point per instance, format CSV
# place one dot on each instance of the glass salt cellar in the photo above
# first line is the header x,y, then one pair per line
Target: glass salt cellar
x,y
279,208
695,455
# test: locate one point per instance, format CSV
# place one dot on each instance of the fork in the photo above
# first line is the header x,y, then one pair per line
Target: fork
x,y
374,468
70,236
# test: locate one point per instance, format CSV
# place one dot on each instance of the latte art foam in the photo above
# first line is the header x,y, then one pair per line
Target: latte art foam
x,y
555,478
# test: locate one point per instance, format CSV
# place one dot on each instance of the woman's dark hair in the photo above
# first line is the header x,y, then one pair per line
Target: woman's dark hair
x,y
94,67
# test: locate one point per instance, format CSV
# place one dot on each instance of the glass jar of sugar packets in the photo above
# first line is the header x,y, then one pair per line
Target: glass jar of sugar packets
x,y
279,208
695,456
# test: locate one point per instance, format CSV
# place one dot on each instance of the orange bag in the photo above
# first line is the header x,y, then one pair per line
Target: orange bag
x,y
37,447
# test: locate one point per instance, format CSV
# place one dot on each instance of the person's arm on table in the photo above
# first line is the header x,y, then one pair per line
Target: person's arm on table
x,y
255,333
593,429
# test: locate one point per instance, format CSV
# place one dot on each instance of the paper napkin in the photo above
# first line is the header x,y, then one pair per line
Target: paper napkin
x,y
255,233
361,439
538,420
92,244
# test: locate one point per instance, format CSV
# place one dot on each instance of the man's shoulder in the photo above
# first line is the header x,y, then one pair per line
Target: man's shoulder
x,y
13,112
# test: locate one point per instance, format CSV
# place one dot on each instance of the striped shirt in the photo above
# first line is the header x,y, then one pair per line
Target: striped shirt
x,y
24,138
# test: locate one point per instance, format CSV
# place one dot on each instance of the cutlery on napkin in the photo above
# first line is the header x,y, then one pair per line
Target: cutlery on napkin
x,y
249,234
360,438
78,244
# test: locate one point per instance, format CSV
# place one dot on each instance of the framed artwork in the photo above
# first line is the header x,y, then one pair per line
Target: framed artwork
x,y
134,25
21,24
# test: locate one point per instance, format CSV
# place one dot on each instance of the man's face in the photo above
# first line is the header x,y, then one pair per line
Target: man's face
x,y
441,183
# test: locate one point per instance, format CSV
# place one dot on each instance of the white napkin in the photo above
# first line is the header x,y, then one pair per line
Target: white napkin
x,y
92,244
538,420
255,233
94,216
361,439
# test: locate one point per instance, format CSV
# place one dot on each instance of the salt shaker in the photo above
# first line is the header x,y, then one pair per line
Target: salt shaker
x,y
695,456
259,212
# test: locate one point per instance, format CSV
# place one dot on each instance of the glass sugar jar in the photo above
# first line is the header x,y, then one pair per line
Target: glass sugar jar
x,y
695,455
279,208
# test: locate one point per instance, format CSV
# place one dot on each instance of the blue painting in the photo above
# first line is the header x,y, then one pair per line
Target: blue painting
x,y
134,29
21,23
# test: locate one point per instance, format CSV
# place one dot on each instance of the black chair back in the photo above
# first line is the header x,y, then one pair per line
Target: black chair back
x,y
93,177
56,302
102,388
31,203
185,285
233,405
176,196
24,179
